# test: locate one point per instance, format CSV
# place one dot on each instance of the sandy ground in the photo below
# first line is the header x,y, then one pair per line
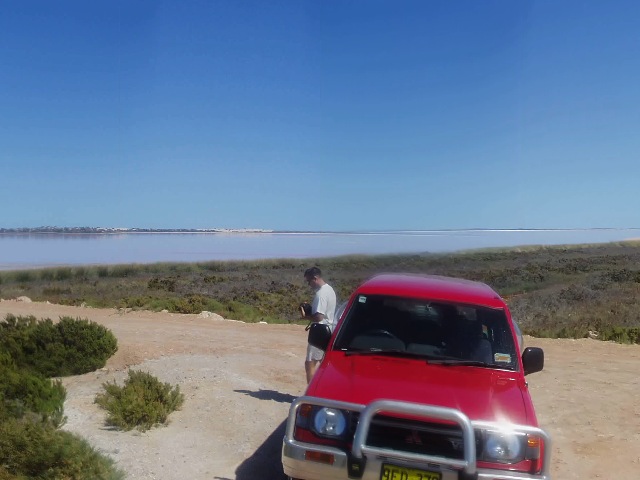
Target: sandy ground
x,y
238,380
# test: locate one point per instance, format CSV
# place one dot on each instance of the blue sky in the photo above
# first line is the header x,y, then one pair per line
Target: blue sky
x,y
320,115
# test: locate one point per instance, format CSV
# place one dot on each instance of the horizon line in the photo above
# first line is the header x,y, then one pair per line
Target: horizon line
x,y
124,230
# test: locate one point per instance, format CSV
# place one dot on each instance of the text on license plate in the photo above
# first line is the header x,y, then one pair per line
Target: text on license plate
x,y
393,472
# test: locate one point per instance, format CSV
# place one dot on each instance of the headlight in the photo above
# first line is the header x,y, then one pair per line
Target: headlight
x,y
330,422
503,447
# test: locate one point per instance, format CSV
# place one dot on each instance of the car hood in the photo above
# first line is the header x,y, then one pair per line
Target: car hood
x,y
480,393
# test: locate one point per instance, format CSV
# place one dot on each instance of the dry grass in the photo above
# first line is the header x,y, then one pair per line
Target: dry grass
x,y
552,291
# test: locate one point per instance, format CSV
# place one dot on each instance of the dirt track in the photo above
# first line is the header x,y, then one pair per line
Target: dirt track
x,y
238,380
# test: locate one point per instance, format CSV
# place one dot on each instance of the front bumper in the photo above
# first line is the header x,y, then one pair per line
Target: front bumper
x,y
365,462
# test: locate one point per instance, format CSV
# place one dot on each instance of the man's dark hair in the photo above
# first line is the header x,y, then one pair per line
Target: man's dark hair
x,y
312,272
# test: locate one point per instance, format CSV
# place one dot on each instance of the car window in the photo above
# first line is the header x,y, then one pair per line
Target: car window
x,y
518,336
432,329
339,311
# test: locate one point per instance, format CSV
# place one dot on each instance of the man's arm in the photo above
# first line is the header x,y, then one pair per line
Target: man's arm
x,y
314,317
319,307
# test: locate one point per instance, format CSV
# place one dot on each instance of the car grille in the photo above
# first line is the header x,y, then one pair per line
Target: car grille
x,y
427,438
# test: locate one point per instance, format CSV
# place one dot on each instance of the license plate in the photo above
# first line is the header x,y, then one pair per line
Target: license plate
x,y
394,472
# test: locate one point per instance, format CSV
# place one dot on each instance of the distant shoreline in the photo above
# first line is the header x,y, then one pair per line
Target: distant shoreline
x,y
51,247
118,231
125,231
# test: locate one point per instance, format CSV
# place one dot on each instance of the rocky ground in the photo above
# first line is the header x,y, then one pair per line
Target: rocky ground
x,y
238,380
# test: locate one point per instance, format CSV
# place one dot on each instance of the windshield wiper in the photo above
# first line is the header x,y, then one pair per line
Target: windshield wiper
x,y
466,363
431,359
380,351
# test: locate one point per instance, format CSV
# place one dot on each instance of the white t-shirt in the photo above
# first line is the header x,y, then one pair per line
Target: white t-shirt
x,y
324,302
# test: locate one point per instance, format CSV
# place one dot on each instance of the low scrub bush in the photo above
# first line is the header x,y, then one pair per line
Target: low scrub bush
x,y
621,334
31,405
81,273
63,273
103,272
24,276
141,403
27,394
36,450
68,347
123,271
47,275
168,284
564,290
134,302
56,291
190,304
213,279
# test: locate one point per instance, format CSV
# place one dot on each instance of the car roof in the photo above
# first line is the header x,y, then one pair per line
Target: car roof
x,y
432,287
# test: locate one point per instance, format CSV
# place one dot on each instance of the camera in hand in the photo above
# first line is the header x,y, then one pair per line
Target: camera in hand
x,y
307,308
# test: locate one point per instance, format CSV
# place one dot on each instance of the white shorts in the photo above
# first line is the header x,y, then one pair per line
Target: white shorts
x,y
314,353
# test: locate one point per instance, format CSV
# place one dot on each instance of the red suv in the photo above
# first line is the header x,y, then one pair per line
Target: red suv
x,y
421,380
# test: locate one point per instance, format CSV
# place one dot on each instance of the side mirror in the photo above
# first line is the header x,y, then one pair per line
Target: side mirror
x,y
319,335
533,360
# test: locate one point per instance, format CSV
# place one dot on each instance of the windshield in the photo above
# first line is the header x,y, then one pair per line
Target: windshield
x,y
444,333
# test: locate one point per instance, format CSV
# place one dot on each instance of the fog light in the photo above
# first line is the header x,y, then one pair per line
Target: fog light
x,y
319,457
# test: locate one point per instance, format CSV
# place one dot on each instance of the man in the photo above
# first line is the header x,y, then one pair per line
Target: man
x,y
323,310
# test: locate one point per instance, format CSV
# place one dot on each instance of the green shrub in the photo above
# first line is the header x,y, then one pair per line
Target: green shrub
x,y
213,279
4,475
35,450
168,284
81,273
621,334
103,272
15,336
141,403
31,406
234,309
55,291
69,347
123,271
564,290
63,273
47,275
24,392
24,276
190,304
133,302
